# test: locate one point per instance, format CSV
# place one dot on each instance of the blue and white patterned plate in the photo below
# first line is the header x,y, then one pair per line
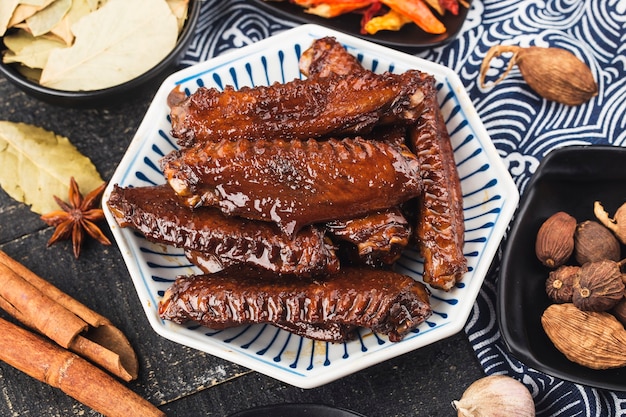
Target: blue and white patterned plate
x,y
490,199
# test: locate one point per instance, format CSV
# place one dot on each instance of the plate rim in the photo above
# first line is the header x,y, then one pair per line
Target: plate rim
x,y
309,381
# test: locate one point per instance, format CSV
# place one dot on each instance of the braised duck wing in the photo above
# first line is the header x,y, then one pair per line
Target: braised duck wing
x,y
438,223
157,213
440,228
377,239
294,183
325,57
300,109
385,301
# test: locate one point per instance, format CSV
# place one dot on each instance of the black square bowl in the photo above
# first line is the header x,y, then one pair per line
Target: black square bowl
x,y
569,179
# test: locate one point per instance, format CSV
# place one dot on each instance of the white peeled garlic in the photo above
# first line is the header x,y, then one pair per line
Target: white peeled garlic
x,y
495,396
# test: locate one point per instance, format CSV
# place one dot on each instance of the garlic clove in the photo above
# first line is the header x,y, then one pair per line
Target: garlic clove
x,y
495,396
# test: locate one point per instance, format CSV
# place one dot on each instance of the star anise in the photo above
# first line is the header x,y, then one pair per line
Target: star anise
x,y
77,217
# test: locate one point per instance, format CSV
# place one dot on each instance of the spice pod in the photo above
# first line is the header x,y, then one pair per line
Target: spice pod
x,y
589,338
554,73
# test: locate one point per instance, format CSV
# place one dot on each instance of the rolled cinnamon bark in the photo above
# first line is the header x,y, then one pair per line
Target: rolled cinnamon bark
x,y
73,375
33,308
43,307
89,316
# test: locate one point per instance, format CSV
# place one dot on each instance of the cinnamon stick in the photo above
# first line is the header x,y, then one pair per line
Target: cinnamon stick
x,y
43,307
33,308
122,366
73,375
89,316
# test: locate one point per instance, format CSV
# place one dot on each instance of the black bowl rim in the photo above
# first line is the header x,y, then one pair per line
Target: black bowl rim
x,y
299,409
82,97
518,348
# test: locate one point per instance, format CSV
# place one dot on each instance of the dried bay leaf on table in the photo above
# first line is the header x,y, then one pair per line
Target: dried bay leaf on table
x,y
36,164
117,42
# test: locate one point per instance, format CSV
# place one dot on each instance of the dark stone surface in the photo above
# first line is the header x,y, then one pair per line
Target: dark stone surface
x,y
183,381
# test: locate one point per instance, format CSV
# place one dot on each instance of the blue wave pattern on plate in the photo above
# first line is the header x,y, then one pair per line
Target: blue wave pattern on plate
x,y
487,189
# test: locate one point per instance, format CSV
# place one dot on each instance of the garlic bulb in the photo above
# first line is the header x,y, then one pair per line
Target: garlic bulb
x,y
495,396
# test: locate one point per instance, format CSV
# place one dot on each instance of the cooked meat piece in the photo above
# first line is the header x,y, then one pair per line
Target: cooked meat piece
x,y
440,228
385,301
379,238
294,183
325,57
300,109
208,262
393,135
157,213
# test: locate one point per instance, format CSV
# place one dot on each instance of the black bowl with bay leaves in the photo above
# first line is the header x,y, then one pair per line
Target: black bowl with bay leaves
x,y
71,55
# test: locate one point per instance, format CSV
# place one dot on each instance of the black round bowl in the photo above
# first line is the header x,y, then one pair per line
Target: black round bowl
x,y
296,410
151,78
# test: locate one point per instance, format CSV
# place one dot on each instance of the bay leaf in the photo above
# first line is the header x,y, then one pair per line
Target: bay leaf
x,y
63,29
36,164
180,9
29,50
117,42
17,41
47,18
95,4
32,74
7,7
35,2
26,10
